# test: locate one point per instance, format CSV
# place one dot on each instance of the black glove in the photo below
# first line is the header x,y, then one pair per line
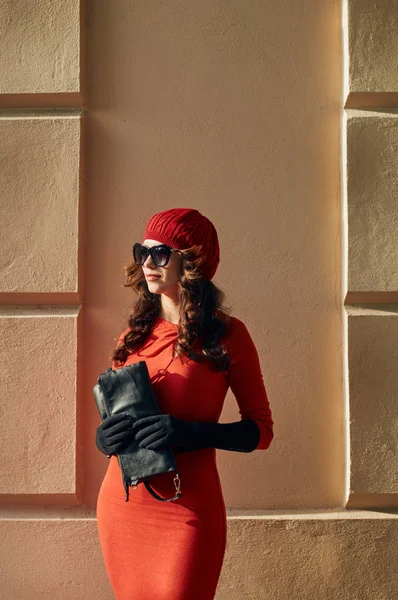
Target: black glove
x,y
159,430
114,433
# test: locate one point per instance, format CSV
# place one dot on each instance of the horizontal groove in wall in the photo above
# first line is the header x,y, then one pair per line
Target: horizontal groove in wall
x,y
15,513
79,512
64,100
367,298
40,299
321,514
371,309
365,501
373,111
29,504
39,311
34,113
371,100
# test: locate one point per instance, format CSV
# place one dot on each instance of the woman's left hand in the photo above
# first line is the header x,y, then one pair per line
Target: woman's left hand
x,y
156,431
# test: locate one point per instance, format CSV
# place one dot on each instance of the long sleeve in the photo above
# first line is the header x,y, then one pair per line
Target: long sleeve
x,y
246,381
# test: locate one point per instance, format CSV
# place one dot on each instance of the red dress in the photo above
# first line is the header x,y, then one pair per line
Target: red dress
x,y
174,550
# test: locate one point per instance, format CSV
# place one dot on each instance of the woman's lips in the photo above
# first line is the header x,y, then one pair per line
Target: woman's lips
x,y
152,276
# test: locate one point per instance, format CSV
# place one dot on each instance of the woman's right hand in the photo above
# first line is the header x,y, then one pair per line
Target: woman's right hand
x,y
114,433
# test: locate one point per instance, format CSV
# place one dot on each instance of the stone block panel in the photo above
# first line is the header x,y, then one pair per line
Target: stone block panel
x,y
372,45
39,218
307,557
372,210
38,401
39,46
56,558
373,406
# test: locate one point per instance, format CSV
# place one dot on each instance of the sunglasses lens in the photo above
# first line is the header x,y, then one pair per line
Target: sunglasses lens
x,y
140,253
161,255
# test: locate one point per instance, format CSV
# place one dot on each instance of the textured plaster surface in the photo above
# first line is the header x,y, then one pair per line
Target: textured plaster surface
x,y
372,191
38,401
233,109
39,46
310,559
39,186
373,392
372,45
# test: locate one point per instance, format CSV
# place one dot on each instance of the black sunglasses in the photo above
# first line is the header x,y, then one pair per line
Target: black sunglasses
x,y
160,254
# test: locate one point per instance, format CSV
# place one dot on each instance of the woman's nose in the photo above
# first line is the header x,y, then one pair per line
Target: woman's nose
x,y
151,263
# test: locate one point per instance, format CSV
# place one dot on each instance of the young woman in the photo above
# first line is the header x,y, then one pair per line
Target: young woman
x,y
194,352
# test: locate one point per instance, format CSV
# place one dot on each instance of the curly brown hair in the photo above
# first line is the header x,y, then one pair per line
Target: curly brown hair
x,y
203,318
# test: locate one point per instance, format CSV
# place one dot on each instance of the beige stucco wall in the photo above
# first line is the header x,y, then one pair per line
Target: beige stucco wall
x,y
278,121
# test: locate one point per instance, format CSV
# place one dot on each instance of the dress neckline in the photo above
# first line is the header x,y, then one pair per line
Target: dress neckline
x,y
165,321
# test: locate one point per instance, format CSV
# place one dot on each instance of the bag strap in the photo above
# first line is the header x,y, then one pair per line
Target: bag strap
x,y
177,485
177,495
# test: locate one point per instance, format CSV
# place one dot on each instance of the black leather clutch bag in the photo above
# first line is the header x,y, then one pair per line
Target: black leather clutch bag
x,y
129,389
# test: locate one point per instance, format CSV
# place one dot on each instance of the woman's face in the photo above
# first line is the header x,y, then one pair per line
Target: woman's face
x,y
167,277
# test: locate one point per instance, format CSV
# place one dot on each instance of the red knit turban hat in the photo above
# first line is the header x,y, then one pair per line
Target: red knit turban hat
x,y
184,227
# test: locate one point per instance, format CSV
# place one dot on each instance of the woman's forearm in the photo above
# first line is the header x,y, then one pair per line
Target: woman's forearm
x,y
240,436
